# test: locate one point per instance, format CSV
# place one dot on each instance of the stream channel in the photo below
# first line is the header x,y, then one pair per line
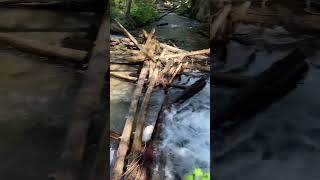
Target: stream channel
x,y
186,137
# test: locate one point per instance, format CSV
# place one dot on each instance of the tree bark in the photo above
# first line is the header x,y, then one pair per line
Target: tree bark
x,y
126,134
136,145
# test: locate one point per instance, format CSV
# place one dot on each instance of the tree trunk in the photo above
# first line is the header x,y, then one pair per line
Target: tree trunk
x,y
128,8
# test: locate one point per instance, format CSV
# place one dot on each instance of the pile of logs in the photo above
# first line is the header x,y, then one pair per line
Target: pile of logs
x,y
161,65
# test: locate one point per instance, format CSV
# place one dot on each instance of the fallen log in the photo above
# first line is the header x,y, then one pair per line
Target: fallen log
x,y
268,87
126,134
136,145
43,49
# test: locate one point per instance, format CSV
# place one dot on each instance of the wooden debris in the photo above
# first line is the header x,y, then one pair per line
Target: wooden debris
x,y
192,53
136,145
123,76
126,134
43,49
135,41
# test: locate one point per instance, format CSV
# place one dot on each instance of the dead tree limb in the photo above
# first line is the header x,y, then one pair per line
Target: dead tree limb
x,y
127,33
192,53
126,134
136,145
122,76
43,49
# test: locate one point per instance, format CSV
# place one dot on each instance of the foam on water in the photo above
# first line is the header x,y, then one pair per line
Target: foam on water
x,y
186,136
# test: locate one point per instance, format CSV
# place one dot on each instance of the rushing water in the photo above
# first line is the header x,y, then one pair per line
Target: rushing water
x,y
283,142
185,141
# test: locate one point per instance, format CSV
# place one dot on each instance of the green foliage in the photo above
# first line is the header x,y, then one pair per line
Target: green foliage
x,y
143,12
197,174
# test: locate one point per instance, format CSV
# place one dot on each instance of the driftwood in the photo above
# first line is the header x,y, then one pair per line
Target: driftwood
x,y
136,145
88,102
192,53
43,49
126,134
149,55
123,76
268,87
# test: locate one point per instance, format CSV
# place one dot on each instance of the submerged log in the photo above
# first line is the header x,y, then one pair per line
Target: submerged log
x,y
192,90
149,156
43,49
270,86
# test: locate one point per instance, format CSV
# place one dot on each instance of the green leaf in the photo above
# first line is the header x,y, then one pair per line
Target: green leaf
x,y
205,176
197,172
188,177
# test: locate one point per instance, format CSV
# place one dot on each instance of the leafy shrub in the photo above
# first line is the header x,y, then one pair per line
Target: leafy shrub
x,y
143,12
197,174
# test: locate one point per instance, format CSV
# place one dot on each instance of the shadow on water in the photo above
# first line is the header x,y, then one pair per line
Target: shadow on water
x,y
283,141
